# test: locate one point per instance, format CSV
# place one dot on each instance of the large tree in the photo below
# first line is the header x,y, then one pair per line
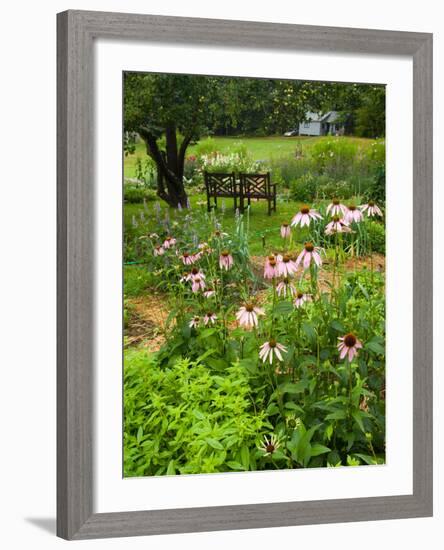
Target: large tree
x,y
168,113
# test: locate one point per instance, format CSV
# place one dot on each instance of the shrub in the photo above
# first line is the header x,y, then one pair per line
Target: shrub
x,y
304,188
137,193
185,419
376,235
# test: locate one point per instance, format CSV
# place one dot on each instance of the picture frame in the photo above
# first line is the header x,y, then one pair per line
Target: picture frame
x,y
76,33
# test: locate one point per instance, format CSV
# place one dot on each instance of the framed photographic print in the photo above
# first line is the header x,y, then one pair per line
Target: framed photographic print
x,y
244,275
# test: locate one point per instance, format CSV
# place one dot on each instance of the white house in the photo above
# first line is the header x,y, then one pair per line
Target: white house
x,y
316,124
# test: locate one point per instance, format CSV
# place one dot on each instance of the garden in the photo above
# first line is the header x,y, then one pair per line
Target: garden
x,y
255,342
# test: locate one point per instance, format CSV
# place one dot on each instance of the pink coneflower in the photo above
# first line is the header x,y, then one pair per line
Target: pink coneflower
x,y
335,208
159,250
285,287
309,253
285,230
300,299
194,323
305,215
209,292
218,234
209,318
248,315
353,214
372,209
286,266
270,269
269,445
187,258
169,242
348,345
225,260
195,272
271,348
337,225
197,284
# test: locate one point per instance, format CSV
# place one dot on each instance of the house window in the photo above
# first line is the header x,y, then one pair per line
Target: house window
x,y
306,125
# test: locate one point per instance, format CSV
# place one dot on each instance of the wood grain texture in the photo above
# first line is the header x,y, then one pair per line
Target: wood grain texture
x,y
77,31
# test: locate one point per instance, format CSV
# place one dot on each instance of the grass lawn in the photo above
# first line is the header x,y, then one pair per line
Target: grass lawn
x,y
261,148
264,236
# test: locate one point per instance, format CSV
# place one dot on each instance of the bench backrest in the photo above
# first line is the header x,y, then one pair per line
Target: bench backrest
x,y
220,184
255,185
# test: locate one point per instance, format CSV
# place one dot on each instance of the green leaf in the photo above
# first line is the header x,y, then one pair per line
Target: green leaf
x,y
214,443
289,387
309,331
375,347
199,415
245,457
139,434
336,415
318,449
338,326
357,415
235,465
272,409
171,470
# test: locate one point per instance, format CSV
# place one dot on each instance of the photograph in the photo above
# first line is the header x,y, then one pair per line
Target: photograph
x,y
253,274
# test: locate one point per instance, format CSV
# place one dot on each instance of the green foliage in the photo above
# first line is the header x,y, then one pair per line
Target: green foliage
x,y
137,279
185,419
376,235
136,194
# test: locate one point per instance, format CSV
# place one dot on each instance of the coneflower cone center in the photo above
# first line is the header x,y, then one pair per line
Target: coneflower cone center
x,y
292,423
305,209
194,271
249,307
335,202
371,203
309,247
272,262
185,254
270,448
286,258
272,343
336,219
225,253
197,280
300,295
352,207
350,340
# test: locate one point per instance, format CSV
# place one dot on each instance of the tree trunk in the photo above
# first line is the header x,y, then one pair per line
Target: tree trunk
x,y
169,164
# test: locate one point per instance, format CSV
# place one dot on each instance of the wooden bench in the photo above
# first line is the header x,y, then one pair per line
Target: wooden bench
x,y
249,186
257,186
219,184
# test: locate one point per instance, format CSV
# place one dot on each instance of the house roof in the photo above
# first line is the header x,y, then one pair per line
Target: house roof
x,y
329,116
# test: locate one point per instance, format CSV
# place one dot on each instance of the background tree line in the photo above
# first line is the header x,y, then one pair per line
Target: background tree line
x,y
169,112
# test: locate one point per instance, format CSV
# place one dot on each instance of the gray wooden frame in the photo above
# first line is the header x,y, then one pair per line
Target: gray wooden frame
x,y
77,31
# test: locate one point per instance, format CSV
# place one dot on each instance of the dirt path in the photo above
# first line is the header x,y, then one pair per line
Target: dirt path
x,y
147,318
